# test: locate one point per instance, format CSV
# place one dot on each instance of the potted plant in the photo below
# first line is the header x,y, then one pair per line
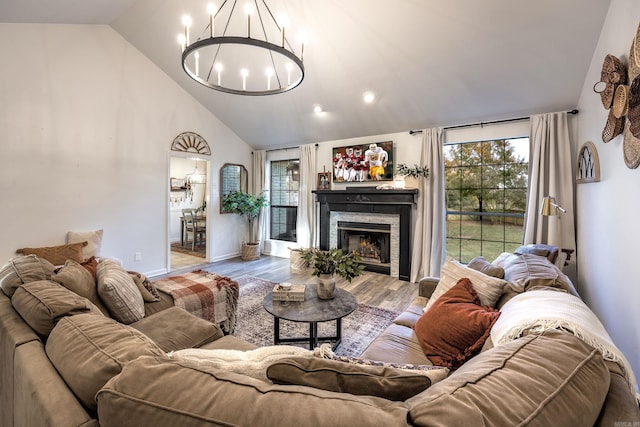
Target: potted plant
x,y
247,205
327,264
414,172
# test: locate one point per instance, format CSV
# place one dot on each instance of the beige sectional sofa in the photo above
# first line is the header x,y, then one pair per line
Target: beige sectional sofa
x,y
64,363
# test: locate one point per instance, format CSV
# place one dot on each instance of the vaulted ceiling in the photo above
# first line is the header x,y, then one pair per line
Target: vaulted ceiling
x,y
429,62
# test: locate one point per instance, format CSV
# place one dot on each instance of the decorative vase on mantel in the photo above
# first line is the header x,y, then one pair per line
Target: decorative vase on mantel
x,y
326,286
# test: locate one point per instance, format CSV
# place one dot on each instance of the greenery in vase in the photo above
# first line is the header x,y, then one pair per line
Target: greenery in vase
x,y
414,172
245,204
334,261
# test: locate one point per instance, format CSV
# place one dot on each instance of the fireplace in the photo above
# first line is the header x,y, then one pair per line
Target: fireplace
x,y
374,210
372,242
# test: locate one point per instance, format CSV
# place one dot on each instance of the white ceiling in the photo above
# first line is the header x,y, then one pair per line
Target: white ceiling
x,y
429,62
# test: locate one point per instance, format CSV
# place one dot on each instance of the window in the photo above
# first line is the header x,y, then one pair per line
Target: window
x,y
486,197
285,183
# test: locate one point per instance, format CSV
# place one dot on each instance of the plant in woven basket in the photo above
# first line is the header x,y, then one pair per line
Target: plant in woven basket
x,y
414,172
245,204
333,262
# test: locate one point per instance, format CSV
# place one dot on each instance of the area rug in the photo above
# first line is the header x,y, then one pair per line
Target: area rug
x,y
255,325
200,250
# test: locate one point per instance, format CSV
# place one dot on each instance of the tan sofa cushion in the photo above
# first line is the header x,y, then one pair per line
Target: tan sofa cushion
x,y
553,380
173,393
23,269
176,329
119,292
397,344
77,278
87,350
57,255
43,303
355,378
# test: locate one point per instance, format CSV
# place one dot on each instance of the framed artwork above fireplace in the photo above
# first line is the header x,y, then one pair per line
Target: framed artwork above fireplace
x,y
363,162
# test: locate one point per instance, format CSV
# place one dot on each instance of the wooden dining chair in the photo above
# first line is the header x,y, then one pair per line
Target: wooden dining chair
x,y
195,227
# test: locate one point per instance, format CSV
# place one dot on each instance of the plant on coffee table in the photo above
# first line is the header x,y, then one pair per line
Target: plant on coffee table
x,y
327,264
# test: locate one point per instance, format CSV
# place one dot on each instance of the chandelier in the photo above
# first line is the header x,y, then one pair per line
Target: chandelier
x,y
235,54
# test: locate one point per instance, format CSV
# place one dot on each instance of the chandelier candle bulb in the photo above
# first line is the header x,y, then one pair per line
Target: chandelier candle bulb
x,y
197,57
244,74
218,68
212,11
186,20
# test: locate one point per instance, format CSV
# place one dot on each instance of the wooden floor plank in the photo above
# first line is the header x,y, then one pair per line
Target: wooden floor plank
x,y
374,289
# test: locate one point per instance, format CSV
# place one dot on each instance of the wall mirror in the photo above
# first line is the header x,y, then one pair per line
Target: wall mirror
x,y
233,177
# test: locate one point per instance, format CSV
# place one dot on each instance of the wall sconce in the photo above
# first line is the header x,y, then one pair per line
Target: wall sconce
x,y
549,207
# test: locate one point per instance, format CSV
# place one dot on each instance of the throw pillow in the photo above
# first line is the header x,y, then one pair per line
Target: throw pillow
x,y
147,289
57,255
488,288
23,269
456,327
480,264
253,363
93,239
368,378
529,272
79,280
43,303
91,265
119,292
548,251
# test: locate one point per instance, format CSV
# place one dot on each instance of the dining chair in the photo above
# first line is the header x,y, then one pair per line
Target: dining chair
x,y
193,226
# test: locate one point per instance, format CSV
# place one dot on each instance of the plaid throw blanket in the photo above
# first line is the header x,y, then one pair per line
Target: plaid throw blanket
x,y
207,295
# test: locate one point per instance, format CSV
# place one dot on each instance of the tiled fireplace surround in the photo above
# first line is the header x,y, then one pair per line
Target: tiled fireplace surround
x,y
368,205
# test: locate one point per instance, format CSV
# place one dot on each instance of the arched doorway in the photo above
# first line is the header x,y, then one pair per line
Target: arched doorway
x,y
189,190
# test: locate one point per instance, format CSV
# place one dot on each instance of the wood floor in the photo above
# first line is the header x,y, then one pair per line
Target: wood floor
x,y
374,289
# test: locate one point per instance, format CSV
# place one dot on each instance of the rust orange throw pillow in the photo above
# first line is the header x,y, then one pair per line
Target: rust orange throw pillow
x,y
455,327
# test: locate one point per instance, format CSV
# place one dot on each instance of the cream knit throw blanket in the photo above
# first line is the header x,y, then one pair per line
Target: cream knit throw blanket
x,y
537,311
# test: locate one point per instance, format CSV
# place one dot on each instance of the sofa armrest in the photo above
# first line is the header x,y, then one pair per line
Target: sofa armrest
x,y
427,285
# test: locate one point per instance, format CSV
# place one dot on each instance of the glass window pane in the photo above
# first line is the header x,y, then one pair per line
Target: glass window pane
x,y
487,182
285,185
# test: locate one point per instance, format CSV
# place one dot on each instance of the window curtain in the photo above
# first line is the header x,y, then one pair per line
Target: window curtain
x,y
258,186
550,174
306,221
429,233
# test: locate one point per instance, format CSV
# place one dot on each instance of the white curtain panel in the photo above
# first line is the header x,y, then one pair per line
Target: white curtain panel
x,y
306,224
429,233
550,174
258,186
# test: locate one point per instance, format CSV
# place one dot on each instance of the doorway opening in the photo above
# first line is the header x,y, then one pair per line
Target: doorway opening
x,y
188,207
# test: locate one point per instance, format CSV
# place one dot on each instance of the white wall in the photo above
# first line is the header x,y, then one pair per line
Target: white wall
x,y
608,223
86,124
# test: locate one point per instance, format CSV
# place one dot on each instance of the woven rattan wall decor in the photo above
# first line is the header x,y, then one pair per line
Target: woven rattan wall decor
x,y
588,167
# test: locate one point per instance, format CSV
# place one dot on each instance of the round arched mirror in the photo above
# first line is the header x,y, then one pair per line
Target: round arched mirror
x,y
233,177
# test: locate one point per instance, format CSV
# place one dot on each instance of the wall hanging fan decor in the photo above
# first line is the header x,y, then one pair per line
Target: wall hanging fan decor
x,y
588,167
631,142
613,73
190,142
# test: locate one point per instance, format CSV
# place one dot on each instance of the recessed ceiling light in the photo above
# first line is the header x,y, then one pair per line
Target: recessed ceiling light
x,y
317,109
369,97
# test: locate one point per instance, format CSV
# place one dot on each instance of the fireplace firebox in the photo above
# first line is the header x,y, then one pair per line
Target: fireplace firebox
x,y
372,242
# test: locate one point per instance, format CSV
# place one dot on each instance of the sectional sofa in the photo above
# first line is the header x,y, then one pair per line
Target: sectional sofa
x,y
65,362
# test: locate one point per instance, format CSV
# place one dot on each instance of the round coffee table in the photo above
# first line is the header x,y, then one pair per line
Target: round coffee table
x,y
312,310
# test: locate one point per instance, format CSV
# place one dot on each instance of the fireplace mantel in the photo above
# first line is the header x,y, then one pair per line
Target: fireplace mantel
x,y
370,200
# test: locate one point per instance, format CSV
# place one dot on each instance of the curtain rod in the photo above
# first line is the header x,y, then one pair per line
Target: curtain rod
x,y
285,148
413,132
